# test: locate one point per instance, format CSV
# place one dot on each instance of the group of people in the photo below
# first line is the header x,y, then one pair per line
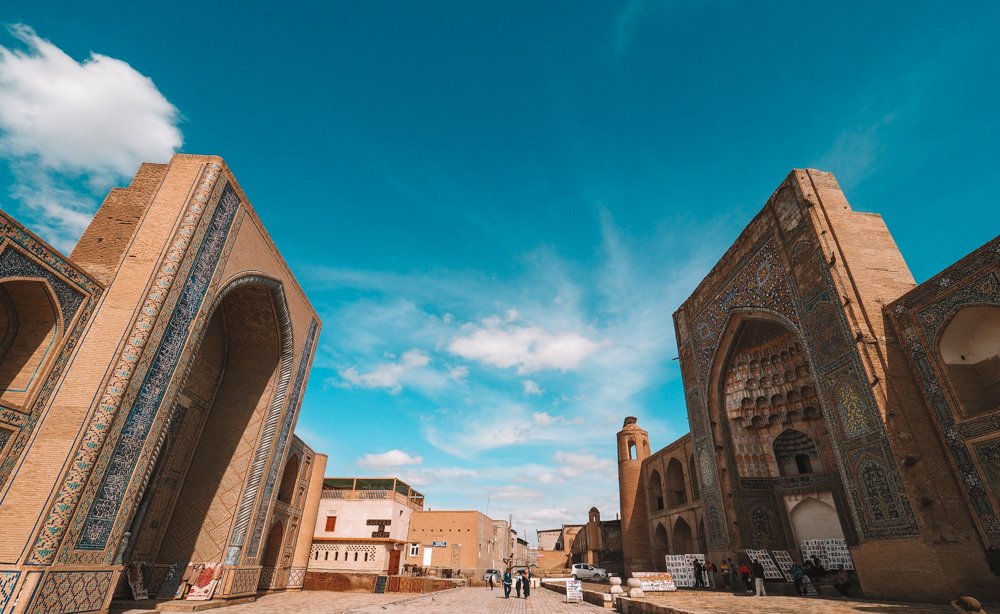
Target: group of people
x,y
748,576
520,580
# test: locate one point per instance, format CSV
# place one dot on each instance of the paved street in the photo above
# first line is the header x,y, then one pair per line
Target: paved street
x,y
456,601
482,600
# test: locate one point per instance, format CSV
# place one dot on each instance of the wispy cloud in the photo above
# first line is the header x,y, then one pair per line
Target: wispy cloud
x,y
854,154
597,341
390,459
70,129
527,348
631,18
392,375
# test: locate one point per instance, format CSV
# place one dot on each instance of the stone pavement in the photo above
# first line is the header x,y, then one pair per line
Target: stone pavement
x,y
542,601
455,601
705,602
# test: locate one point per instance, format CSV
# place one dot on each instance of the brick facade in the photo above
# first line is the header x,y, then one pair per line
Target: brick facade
x,y
152,381
821,406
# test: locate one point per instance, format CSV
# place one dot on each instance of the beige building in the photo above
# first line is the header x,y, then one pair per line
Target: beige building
x,y
554,553
456,542
151,384
362,525
599,543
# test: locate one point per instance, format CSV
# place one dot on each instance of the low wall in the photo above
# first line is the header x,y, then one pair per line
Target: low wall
x,y
593,597
339,582
365,583
640,606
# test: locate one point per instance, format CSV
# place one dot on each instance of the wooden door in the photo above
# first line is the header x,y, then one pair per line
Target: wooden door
x,y
394,562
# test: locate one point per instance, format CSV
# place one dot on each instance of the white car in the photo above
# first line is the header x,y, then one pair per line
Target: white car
x,y
583,571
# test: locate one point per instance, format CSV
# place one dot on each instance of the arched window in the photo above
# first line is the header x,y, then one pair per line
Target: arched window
x,y
287,489
795,453
970,350
660,547
683,538
28,332
676,492
655,491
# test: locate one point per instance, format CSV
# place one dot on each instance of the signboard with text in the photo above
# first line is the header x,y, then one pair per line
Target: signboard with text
x,y
439,544
655,581
574,590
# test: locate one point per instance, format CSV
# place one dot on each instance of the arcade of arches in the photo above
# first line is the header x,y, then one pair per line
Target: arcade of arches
x,y
819,390
149,387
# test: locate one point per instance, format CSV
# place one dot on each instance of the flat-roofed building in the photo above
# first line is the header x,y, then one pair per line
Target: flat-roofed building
x,y
457,543
362,525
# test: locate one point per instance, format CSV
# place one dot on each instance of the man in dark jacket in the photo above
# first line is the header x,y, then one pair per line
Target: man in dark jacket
x,y
758,578
507,581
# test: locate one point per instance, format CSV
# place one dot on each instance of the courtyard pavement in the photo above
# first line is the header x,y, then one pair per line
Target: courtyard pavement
x,y
454,601
542,601
706,602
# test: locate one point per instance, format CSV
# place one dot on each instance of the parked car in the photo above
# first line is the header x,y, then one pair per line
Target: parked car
x,y
583,571
492,572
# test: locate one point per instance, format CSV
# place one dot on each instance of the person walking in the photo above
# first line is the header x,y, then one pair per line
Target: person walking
x,y
710,574
726,569
758,579
745,576
507,580
489,579
820,570
699,580
734,577
518,584
526,580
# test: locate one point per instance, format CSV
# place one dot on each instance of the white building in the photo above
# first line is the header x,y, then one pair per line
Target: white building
x,y
362,525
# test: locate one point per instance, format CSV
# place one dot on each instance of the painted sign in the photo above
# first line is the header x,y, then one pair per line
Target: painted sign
x,y
655,581
574,590
439,545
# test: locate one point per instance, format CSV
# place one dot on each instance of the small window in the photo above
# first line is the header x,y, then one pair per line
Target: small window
x,y
355,556
336,555
326,555
414,549
331,523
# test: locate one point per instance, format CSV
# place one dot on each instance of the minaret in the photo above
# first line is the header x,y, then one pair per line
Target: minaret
x,y
633,447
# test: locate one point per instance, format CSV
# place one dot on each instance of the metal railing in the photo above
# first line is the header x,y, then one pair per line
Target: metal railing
x,y
371,495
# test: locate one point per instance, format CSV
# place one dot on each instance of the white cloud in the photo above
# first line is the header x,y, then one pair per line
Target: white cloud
x,y
531,388
461,372
390,375
392,458
542,418
62,121
528,348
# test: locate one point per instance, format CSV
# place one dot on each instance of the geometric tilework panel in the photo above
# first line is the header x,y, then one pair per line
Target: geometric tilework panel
x,y
8,580
245,581
989,458
759,284
109,405
104,510
15,264
72,591
296,576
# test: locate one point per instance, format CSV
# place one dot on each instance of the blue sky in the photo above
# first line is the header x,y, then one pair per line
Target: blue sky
x,y
496,207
